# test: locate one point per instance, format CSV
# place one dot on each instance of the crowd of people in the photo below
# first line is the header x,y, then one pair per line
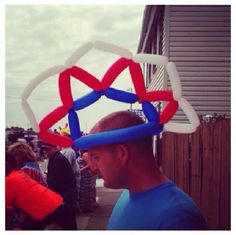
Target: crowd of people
x,y
38,198
149,201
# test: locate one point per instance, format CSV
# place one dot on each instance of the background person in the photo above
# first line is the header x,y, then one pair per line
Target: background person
x,y
26,161
87,184
70,155
61,179
42,206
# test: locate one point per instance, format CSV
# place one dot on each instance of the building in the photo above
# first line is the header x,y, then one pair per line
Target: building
x,y
197,39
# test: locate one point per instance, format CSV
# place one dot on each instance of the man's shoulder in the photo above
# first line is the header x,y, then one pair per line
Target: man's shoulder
x,y
59,156
68,153
67,150
167,208
16,176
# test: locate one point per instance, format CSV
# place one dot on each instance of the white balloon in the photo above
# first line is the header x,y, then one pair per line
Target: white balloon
x,y
184,127
108,47
150,59
30,115
41,77
189,111
30,87
179,127
174,80
81,51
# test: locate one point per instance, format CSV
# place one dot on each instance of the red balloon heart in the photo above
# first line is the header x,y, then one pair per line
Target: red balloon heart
x,y
165,95
169,111
52,138
137,78
86,78
65,86
65,89
113,72
159,96
47,122
53,117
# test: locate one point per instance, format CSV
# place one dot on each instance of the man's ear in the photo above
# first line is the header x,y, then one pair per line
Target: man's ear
x,y
123,151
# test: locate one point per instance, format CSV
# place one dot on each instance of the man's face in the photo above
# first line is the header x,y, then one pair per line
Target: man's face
x,y
49,150
109,165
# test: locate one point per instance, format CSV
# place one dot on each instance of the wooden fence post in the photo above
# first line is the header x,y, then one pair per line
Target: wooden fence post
x,y
181,150
225,204
196,166
168,160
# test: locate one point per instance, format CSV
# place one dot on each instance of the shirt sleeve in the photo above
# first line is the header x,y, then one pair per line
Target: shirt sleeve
x,y
182,220
188,224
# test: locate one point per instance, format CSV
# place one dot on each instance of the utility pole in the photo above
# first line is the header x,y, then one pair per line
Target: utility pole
x,y
131,90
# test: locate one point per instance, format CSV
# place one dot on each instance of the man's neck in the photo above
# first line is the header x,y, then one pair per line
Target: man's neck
x,y
143,179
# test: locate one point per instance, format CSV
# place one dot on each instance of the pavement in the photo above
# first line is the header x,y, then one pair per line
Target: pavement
x,y
106,199
97,220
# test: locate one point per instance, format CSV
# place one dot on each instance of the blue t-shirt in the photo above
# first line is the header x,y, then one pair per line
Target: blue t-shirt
x,y
163,207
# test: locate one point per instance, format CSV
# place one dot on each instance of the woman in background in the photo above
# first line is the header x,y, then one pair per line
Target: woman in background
x,y
26,161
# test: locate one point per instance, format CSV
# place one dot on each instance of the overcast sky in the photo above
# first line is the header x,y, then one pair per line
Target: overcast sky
x,y
39,37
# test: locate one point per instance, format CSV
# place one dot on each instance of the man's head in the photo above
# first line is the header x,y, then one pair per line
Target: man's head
x,y
49,149
115,162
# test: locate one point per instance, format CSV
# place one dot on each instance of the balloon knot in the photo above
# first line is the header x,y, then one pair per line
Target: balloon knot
x,y
140,100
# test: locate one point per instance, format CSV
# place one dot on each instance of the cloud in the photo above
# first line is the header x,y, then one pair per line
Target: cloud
x,y
38,37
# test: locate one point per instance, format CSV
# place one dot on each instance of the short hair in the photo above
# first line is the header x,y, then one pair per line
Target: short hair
x,y
117,120
124,119
22,150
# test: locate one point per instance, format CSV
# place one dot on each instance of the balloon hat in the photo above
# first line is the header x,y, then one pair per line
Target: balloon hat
x,y
156,121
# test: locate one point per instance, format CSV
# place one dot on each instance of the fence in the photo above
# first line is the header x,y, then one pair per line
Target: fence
x,y
200,164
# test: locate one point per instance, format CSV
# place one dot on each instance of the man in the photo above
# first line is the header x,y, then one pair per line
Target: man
x,y
61,179
151,201
70,155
